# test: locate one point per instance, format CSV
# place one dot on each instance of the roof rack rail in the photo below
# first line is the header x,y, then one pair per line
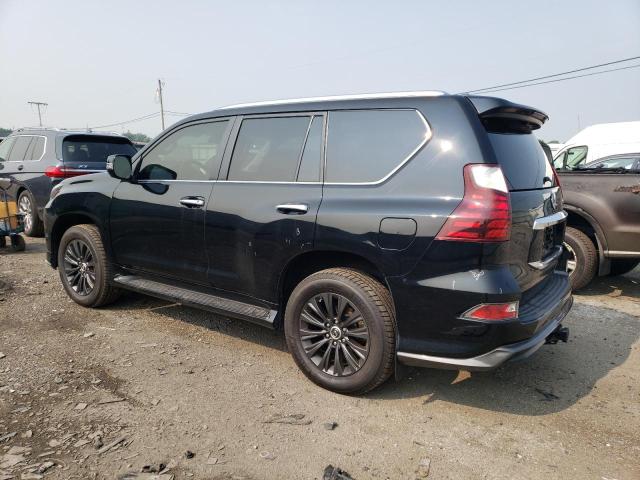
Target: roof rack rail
x,y
360,96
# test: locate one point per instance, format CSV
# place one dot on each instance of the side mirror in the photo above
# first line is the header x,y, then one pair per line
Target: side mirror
x,y
119,166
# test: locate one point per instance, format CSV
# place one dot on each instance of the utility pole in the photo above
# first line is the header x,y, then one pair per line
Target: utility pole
x,y
42,104
161,105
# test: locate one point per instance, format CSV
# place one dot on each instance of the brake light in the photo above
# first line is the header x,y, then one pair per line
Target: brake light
x,y
492,311
484,215
556,178
63,172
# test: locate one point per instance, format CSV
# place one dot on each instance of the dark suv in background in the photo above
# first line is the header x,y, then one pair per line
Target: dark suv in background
x,y
419,228
37,159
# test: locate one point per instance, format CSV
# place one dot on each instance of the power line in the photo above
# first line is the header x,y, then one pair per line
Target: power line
x,y
145,117
555,75
561,79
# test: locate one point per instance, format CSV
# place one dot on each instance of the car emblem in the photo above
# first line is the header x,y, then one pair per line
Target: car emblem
x,y
83,166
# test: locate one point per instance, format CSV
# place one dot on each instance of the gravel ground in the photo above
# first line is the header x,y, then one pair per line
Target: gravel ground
x,y
214,398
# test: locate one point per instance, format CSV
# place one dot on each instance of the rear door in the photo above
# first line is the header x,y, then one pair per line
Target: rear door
x,y
264,207
538,219
157,220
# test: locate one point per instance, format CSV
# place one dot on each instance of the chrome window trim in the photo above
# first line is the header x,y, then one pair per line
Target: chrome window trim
x,y
428,135
44,149
361,96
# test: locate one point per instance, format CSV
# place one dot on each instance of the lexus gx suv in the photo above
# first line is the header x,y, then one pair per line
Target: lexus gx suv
x,y
419,229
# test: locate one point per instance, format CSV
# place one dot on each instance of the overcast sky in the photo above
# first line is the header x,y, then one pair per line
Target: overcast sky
x,y
97,62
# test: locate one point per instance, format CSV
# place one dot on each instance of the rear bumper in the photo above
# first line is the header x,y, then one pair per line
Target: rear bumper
x,y
497,356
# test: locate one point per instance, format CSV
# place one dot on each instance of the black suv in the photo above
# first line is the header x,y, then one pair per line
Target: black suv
x,y
422,228
37,159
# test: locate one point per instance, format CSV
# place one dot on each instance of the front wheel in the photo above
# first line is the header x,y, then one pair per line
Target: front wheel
x,y
85,270
340,329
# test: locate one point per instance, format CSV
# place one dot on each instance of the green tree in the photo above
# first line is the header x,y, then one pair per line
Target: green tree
x,y
137,137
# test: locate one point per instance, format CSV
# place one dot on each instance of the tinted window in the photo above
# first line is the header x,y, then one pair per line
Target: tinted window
x,y
191,153
268,149
571,158
5,147
36,148
311,157
522,159
94,149
367,145
19,149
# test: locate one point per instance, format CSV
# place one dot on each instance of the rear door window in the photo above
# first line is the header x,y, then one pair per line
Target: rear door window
x,y
368,145
19,149
311,161
523,160
37,148
627,163
269,149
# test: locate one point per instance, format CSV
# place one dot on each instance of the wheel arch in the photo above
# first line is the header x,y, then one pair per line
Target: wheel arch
x,y
64,223
580,219
314,261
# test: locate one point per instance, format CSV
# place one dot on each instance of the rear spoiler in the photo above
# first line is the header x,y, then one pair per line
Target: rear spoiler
x,y
501,116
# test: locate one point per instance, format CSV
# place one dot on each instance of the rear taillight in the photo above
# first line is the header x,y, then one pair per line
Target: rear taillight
x,y
63,172
484,215
492,311
556,178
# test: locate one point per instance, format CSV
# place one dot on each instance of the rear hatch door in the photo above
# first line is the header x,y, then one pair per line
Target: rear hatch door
x,y
84,153
538,220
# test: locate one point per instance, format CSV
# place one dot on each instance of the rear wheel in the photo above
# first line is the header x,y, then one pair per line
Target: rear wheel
x,y
582,261
620,266
84,268
340,329
33,226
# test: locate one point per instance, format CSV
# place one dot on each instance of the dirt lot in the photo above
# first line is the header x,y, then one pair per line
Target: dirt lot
x,y
159,380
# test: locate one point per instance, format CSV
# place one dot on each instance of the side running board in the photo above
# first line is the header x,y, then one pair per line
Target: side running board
x,y
224,306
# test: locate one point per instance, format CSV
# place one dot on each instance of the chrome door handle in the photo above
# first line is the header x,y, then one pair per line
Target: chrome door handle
x,y
192,202
293,208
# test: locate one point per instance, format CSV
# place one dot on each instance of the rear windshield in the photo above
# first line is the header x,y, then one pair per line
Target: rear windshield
x,y
523,160
94,149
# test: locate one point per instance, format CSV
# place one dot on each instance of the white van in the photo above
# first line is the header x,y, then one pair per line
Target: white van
x,y
598,141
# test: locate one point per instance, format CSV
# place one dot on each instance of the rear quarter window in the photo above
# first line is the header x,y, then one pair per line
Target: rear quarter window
x,y
367,145
522,159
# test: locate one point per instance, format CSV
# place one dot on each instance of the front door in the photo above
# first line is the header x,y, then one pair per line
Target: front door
x,y
264,207
157,219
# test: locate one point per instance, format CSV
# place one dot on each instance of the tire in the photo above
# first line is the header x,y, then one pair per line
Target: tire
x,y
355,293
620,266
33,226
82,245
585,257
17,243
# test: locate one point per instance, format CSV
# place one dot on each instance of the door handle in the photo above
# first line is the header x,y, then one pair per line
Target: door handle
x,y
20,167
293,208
192,202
